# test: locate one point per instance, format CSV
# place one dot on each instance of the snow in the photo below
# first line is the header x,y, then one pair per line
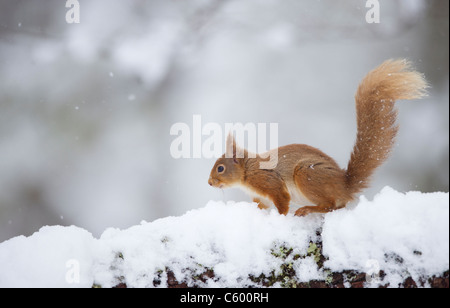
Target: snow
x,y
40,260
234,238
403,234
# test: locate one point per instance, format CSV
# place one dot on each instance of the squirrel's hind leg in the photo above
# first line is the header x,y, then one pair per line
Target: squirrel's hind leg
x,y
322,183
320,208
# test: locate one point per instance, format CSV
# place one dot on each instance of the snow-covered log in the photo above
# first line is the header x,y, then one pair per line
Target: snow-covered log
x,y
396,240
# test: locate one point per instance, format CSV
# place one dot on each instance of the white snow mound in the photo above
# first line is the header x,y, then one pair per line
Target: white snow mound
x,y
401,234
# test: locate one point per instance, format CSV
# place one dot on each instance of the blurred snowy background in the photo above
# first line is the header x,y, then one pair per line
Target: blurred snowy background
x,y
86,109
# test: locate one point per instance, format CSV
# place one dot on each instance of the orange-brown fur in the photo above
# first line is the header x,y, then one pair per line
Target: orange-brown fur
x,y
308,174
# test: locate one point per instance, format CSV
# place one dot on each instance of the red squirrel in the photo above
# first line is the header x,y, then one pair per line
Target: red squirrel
x,y
305,175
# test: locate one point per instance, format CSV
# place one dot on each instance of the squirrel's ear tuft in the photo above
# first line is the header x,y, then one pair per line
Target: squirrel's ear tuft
x,y
230,147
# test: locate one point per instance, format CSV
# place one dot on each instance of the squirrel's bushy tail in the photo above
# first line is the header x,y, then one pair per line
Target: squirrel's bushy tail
x,y
376,117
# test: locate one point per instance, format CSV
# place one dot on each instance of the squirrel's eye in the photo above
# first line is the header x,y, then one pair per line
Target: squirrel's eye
x,y
220,169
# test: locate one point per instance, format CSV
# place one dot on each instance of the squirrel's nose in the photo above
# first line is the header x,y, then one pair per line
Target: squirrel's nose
x,y
212,182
